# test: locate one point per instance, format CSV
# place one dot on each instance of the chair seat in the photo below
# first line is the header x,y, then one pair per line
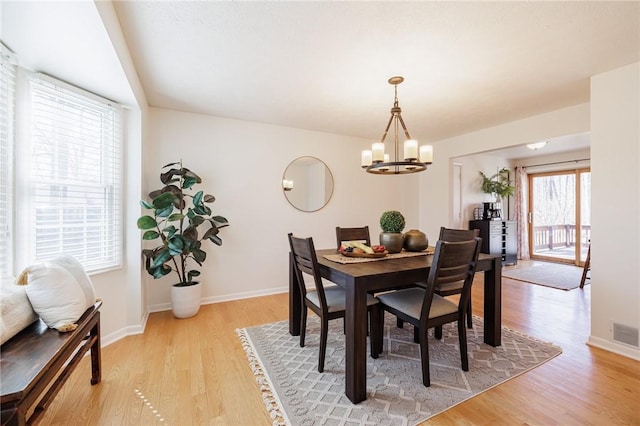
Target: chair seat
x,y
335,298
409,301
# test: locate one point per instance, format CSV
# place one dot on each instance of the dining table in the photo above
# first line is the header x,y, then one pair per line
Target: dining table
x,y
359,279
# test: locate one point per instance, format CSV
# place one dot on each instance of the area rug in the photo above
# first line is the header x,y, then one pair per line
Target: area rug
x,y
548,274
296,394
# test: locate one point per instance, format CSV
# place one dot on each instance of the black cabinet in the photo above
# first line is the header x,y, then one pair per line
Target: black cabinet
x,y
498,238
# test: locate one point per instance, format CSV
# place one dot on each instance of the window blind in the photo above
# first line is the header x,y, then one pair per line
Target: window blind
x,y
74,195
7,108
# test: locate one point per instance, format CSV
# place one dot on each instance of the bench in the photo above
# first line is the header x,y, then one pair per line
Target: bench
x,y
36,362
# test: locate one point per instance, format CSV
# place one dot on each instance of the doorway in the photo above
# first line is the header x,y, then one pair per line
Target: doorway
x,y
560,216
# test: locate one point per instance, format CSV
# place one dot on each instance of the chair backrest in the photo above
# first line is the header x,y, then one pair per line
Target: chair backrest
x,y
452,262
352,234
306,262
456,235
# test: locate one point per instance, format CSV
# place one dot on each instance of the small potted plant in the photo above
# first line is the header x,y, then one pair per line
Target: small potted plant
x,y
392,223
498,184
177,220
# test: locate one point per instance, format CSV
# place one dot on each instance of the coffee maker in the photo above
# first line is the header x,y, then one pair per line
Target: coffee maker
x,y
492,211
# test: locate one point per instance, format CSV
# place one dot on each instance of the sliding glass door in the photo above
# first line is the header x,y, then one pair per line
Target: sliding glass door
x,y
560,215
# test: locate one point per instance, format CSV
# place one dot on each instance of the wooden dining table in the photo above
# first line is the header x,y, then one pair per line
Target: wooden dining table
x,y
358,279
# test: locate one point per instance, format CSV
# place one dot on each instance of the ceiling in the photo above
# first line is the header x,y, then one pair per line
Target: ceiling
x,y
557,145
324,66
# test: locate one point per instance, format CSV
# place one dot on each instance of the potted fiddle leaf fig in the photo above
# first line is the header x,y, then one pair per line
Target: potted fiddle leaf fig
x,y
180,221
392,223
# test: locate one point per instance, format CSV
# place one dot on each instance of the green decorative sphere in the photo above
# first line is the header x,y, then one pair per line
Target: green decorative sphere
x,y
392,221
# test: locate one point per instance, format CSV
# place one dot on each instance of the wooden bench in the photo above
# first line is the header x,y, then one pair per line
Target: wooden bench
x,y
36,362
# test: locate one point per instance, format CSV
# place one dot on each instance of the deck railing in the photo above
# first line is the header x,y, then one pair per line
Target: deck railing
x,y
555,236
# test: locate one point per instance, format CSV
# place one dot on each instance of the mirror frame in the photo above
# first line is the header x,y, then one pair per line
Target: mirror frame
x,y
285,191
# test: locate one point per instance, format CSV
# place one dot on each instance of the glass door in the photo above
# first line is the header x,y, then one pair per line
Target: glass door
x,y
560,215
584,217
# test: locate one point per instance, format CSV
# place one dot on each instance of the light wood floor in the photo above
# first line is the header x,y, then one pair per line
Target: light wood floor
x,y
194,371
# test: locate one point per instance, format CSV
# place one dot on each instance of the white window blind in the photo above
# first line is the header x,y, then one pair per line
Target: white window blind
x,y
74,179
7,108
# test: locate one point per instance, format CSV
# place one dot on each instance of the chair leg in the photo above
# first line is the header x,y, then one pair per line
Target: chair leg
x,y
376,325
303,325
469,315
462,338
424,357
416,334
437,332
324,331
399,323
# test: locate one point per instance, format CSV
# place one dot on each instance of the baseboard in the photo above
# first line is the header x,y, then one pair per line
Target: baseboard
x,y
159,307
244,295
107,339
608,345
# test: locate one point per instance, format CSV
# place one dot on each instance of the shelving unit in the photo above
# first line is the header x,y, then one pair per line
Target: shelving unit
x,y
498,238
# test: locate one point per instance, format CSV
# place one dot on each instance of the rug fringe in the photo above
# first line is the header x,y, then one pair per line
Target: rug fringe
x,y
268,396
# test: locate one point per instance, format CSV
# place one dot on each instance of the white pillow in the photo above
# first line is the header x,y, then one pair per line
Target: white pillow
x,y
15,311
60,292
77,270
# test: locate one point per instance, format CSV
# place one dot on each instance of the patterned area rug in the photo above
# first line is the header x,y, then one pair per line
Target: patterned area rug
x,y
296,394
548,274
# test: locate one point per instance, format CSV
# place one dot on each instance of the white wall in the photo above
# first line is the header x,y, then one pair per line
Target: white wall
x,y
615,216
436,184
241,164
472,195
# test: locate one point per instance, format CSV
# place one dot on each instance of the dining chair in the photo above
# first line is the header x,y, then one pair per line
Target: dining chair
x,y
352,234
449,289
327,302
453,261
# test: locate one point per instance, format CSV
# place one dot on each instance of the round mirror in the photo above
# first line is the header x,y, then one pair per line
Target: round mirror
x,y
307,184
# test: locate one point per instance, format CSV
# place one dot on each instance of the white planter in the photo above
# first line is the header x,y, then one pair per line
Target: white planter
x,y
185,301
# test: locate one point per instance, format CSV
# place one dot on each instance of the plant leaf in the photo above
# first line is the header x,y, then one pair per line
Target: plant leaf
x,y
176,216
188,182
199,255
147,222
166,212
191,233
201,209
209,198
159,271
146,204
220,220
189,173
197,199
162,257
215,240
176,245
197,220
150,235
163,200
211,231
169,176
191,274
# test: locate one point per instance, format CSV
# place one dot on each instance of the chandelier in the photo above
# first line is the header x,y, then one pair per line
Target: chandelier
x,y
414,158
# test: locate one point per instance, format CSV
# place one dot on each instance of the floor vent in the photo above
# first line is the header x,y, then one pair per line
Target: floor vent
x,y
626,334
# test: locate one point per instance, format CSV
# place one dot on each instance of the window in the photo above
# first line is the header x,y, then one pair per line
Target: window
x,y
7,103
68,179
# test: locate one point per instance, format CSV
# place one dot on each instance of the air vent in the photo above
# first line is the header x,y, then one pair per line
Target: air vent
x,y
626,334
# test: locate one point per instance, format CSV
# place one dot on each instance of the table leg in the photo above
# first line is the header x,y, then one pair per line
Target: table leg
x,y
493,304
295,310
356,342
